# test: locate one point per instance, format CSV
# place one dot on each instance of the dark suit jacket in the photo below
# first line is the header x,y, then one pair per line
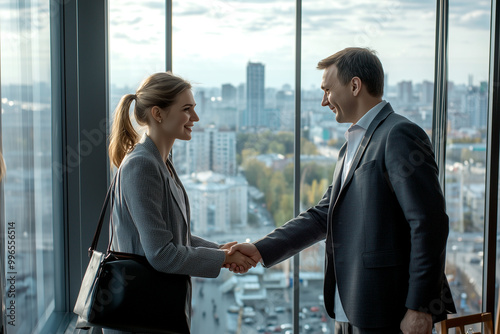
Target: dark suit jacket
x,y
385,230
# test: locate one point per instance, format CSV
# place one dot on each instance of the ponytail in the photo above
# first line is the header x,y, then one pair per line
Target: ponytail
x,y
123,135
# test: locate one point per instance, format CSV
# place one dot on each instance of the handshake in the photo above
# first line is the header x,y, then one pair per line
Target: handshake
x,y
240,257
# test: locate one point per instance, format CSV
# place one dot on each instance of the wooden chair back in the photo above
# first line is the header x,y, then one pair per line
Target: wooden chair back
x,y
462,324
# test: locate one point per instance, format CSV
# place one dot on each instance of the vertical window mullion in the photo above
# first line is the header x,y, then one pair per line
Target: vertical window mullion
x,y
297,136
440,87
57,73
168,35
492,166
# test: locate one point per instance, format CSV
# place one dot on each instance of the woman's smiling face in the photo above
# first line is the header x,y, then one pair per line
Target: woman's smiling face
x,y
180,117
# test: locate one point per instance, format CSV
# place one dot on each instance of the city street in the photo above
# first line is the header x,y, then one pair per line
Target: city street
x,y
216,312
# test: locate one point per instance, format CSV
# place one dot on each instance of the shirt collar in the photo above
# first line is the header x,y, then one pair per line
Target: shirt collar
x,y
367,118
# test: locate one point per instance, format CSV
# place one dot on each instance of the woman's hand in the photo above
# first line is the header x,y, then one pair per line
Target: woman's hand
x,y
238,262
228,245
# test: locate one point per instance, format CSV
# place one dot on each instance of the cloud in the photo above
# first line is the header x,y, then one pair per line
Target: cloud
x,y
262,23
231,30
189,10
126,21
154,4
470,14
477,19
134,41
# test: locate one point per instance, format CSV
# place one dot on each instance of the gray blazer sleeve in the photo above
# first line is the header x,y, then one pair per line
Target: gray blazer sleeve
x,y
200,242
157,219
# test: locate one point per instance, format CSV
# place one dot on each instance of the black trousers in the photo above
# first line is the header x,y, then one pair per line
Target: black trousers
x,y
347,328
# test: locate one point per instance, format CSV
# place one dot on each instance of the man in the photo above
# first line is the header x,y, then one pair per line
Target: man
x,y
383,217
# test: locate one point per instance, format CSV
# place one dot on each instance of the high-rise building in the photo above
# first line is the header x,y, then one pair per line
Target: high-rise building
x,y
228,93
427,93
405,92
221,201
476,103
253,116
285,103
210,149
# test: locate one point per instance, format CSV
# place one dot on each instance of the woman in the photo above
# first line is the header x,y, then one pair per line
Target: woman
x,y
151,214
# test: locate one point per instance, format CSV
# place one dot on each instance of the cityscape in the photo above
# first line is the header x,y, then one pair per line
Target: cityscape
x,y
238,172
229,142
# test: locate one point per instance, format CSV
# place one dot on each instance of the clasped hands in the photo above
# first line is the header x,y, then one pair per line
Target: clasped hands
x,y
240,257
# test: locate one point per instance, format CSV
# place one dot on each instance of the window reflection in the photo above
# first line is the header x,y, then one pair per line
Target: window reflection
x,y
26,131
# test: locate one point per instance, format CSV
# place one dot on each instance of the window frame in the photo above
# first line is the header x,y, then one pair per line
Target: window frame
x,y
79,79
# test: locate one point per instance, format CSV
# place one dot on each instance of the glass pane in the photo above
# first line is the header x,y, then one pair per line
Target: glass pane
x,y
238,167
469,41
136,44
26,131
407,56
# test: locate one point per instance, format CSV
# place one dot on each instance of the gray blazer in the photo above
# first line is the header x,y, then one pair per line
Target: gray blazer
x,y
151,217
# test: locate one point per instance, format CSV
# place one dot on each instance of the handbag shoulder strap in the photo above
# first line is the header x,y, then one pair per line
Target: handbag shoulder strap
x,y
93,246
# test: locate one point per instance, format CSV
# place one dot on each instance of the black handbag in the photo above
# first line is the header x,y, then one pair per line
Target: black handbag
x,y
123,291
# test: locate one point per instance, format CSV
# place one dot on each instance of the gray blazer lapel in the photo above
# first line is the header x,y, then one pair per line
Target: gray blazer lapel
x,y
151,147
175,192
366,139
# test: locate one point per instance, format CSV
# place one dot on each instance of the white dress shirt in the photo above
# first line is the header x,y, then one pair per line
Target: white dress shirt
x,y
353,136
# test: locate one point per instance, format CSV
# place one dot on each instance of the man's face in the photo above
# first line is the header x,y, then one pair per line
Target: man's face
x,y
336,96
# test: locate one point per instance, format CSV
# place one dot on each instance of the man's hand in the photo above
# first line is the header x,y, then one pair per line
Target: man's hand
x,y
238,262
246,248
415,322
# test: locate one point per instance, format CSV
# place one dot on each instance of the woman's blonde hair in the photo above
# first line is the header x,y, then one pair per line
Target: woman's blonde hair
x,y
3,169
161,90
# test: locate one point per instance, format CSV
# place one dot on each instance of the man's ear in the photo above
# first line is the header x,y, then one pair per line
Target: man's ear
x,y
356,86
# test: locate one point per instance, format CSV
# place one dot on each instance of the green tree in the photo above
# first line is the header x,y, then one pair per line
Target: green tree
x,y
285,210
252,169
307,147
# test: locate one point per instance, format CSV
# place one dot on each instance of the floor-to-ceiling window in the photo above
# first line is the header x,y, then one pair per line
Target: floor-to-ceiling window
x,y
328,27
465,170
238,168
136,45
26,131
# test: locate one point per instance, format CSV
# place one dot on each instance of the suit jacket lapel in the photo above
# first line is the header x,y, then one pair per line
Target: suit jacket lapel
x,y
337,181
366,139
337,175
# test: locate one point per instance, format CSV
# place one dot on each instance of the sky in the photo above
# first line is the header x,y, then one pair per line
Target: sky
x,y
214,40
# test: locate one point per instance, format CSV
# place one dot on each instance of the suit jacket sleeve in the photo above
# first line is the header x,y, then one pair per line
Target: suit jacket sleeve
x,y
146,197
413,174
297,234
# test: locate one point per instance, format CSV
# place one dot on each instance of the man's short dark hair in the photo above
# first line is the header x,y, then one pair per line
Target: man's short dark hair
x,y
358,62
